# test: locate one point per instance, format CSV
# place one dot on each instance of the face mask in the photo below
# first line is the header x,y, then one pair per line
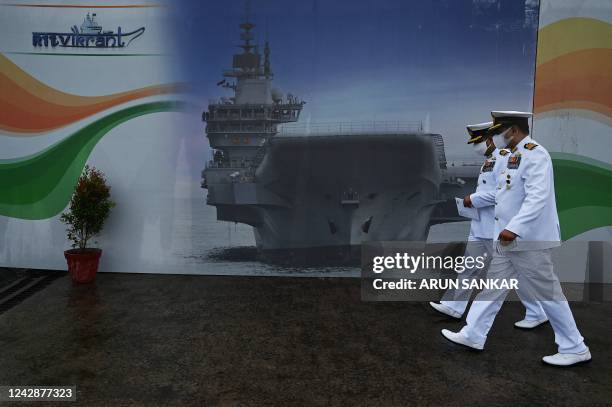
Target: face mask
x,y
500,140
480,148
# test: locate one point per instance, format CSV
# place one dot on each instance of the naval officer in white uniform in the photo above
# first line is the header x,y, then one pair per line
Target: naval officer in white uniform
x,y
526,230
480,240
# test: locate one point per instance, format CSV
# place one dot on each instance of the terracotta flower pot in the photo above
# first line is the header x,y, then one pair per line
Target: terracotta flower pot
x,y
83,264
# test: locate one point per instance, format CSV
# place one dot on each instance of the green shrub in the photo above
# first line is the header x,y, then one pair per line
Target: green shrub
x,y
89,207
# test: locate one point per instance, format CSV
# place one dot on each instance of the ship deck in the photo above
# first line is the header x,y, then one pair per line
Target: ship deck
x,y
345,137
204,340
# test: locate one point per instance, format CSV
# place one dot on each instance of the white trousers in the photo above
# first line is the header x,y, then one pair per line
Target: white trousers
x,y
534,271
457,299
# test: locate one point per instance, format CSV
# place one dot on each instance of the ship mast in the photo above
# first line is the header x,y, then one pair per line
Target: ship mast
x,y
248,63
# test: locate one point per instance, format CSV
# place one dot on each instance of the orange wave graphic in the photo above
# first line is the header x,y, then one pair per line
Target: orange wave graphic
x,y
570,35
578,80
29,106
583,111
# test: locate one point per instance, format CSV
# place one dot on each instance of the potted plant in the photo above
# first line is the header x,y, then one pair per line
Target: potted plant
x,y
89,208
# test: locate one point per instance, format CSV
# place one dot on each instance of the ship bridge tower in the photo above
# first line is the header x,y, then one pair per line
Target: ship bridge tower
x,y
237,127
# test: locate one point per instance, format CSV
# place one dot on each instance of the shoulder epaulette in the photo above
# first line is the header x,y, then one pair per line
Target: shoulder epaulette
x,y
503,152
530,146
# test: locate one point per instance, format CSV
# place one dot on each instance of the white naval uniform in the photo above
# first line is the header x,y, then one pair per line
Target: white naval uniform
x,y
525,204
480,239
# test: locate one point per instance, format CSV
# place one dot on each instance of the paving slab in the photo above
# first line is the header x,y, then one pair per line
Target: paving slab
x,y
141,339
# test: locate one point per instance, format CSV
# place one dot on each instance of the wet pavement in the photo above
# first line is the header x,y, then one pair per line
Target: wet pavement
x,y
138,339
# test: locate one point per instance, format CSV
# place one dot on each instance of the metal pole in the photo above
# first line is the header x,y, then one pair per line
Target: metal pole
x,y
593,289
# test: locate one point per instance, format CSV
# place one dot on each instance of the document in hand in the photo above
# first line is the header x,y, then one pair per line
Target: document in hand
x,y
471,213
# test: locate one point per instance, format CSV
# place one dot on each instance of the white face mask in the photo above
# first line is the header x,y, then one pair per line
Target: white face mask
x,y
480,148
500,140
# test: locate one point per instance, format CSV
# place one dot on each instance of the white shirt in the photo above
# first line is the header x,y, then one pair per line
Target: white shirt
x,y
525,199
484,197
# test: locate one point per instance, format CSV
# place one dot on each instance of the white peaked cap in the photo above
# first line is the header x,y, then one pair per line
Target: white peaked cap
x,y
479,126
510,113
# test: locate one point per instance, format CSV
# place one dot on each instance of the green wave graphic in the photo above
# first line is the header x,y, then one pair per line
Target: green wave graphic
x,y
39,186
583,192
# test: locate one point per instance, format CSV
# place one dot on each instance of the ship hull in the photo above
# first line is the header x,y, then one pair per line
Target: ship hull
x,y
323,196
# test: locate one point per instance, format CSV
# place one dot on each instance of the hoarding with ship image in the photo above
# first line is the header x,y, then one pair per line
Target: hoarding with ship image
x,y
378,143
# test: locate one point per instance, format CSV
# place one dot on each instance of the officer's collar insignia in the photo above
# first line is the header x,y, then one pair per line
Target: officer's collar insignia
x,y
530,146
513,149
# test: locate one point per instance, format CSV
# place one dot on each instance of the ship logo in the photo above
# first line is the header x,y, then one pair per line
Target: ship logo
x,y
88,35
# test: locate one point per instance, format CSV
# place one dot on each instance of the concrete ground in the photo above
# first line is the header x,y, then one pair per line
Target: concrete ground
x,y
134,339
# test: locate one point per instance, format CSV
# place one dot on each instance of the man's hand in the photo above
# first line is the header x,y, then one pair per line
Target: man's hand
x,y
467,202
506,237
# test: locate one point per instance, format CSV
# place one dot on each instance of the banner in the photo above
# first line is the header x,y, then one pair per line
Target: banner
x,y
330,125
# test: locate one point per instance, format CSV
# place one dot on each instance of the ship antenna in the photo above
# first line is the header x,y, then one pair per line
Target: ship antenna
x,y
248,62
247,26
267,68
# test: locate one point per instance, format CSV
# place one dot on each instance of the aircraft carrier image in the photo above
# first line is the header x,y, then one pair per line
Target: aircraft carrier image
x,y
318,190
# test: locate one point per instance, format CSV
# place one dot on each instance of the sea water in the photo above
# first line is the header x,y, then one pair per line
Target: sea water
x,y
202,244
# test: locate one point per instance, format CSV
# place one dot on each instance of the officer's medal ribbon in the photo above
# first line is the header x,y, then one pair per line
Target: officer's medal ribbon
x,y
514,162
488,166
